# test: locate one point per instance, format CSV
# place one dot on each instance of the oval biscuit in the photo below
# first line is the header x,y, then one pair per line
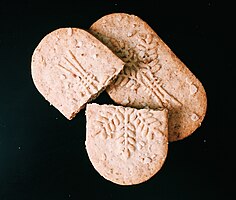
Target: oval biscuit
x,y
153,75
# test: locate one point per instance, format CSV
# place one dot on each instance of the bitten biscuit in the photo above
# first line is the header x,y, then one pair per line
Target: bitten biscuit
x,y
71,67
153,76
125,145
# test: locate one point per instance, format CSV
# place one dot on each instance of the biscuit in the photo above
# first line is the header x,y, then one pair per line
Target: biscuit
x,y
70,67
126,145
153,75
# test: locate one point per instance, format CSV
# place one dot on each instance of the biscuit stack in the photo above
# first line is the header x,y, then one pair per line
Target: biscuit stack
x,y
159,99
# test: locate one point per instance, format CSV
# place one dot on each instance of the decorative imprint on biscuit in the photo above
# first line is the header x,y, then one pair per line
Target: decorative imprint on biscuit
x,y
141,68
88,82
130,129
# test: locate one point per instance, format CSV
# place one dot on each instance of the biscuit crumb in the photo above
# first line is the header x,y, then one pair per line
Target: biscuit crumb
x,y
69,32
188,81
95,56
140,145
147,160
129,34
104,157
79,44
125,102
193,89
194,117
62,76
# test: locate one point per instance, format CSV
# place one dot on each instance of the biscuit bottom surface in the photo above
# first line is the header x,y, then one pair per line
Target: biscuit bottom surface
x,y
125,145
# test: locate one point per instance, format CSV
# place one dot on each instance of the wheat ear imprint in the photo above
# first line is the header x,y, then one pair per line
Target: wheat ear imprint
x,y
88,81
141,68
153,86
124,125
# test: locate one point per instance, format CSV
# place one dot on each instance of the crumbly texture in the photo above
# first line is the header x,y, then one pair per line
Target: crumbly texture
x,y
153,75
71,67
126,145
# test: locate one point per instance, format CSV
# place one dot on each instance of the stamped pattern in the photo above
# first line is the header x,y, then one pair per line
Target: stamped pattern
x,y
142,67
131,129
88,82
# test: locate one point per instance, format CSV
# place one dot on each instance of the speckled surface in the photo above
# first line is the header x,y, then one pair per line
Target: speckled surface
x,y
43,155
70,67
126,146
153,75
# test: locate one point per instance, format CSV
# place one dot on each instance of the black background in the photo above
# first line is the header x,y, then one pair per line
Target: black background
x,y
42,154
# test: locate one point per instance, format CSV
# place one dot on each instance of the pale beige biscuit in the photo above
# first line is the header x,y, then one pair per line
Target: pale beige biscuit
x,y
71,67
153,76
125,145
